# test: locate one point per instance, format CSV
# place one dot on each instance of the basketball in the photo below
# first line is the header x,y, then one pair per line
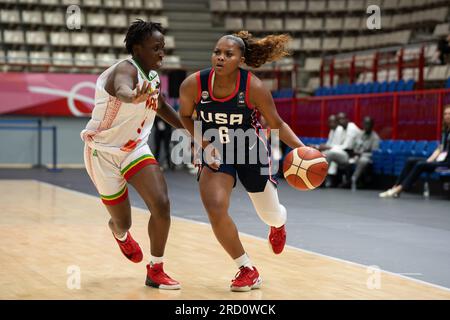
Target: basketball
x,y
305,168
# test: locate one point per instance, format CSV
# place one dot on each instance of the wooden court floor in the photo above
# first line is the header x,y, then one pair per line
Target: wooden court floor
x,y
54,239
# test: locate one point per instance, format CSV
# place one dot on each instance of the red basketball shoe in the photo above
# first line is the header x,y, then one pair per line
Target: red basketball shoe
x,y
157,278
246,279
130,248
277,239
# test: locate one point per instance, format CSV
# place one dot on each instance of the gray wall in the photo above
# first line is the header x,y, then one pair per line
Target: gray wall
x,y
20,147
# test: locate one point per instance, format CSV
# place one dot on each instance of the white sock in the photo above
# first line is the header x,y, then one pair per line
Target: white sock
x,y
243,261
123,238
156,260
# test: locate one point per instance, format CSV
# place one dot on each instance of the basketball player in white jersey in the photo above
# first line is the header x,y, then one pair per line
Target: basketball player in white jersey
x,y
127,99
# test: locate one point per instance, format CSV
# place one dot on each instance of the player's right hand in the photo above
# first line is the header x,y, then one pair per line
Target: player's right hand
x,y
141,94
88,135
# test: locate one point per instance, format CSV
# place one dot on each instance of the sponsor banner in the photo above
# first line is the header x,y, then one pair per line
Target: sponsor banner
x,y
49,94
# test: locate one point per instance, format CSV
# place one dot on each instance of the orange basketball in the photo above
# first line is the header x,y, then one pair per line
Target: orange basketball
x,y
305,168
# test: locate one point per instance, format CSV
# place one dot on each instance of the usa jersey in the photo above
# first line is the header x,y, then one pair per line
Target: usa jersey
x,y
231,118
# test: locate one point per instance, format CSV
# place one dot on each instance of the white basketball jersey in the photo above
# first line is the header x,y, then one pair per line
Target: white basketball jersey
x,y
117,127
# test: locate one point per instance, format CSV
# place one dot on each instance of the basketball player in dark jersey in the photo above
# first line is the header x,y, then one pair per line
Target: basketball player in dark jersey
x,y
226,99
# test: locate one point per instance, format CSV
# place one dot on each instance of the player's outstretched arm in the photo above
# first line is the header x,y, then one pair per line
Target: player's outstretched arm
x,y
261,98
125,81
168,114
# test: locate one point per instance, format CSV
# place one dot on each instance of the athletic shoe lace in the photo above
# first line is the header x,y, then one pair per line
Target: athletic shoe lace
x,y
128,245
242,273
160,272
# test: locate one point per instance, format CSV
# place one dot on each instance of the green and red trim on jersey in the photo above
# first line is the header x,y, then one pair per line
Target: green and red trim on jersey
x,y
115,198
131,169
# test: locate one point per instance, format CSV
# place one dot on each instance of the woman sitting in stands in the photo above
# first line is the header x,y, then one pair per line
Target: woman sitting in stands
x,y
416,166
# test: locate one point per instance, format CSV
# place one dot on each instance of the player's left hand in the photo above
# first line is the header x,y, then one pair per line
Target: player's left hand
x,y
141,94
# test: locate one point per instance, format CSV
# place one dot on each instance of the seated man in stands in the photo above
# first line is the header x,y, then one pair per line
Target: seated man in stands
x,y
335,136
339,155
416,166
365,144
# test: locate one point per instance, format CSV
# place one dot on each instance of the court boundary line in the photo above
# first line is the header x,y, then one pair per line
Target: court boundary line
x,y
259,238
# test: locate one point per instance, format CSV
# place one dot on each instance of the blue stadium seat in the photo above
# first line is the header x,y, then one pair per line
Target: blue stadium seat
x,y
313,140
276,94
431,146
359,88
333,91
346,88
368,87
384,86
419,149
401,85
376,87
377,155
319,140
392,86
352,88
408,147
342,89
389,158
400,156
447,84
305,140
409,86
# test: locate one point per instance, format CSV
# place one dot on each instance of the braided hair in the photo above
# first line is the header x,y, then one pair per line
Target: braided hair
x,y
138,31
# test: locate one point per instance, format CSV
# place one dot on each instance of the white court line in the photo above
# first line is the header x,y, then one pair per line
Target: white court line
x,y
287,246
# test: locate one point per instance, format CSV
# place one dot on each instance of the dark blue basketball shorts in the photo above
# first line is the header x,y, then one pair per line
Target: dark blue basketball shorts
x,y
250,175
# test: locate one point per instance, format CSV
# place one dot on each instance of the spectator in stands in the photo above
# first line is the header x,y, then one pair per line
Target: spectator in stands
x,y
335,136
443,49
365,144
339,155
416,166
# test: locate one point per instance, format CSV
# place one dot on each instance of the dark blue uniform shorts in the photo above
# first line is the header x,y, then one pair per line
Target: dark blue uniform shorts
x,y
250,175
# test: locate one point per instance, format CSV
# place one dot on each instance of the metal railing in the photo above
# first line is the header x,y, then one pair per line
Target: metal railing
x,y
22,125
407,115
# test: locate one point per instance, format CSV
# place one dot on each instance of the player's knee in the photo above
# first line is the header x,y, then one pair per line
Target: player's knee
x,y
161,208
275,218
216,209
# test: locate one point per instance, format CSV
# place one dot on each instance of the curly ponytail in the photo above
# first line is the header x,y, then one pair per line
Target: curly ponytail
x,y
259,51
